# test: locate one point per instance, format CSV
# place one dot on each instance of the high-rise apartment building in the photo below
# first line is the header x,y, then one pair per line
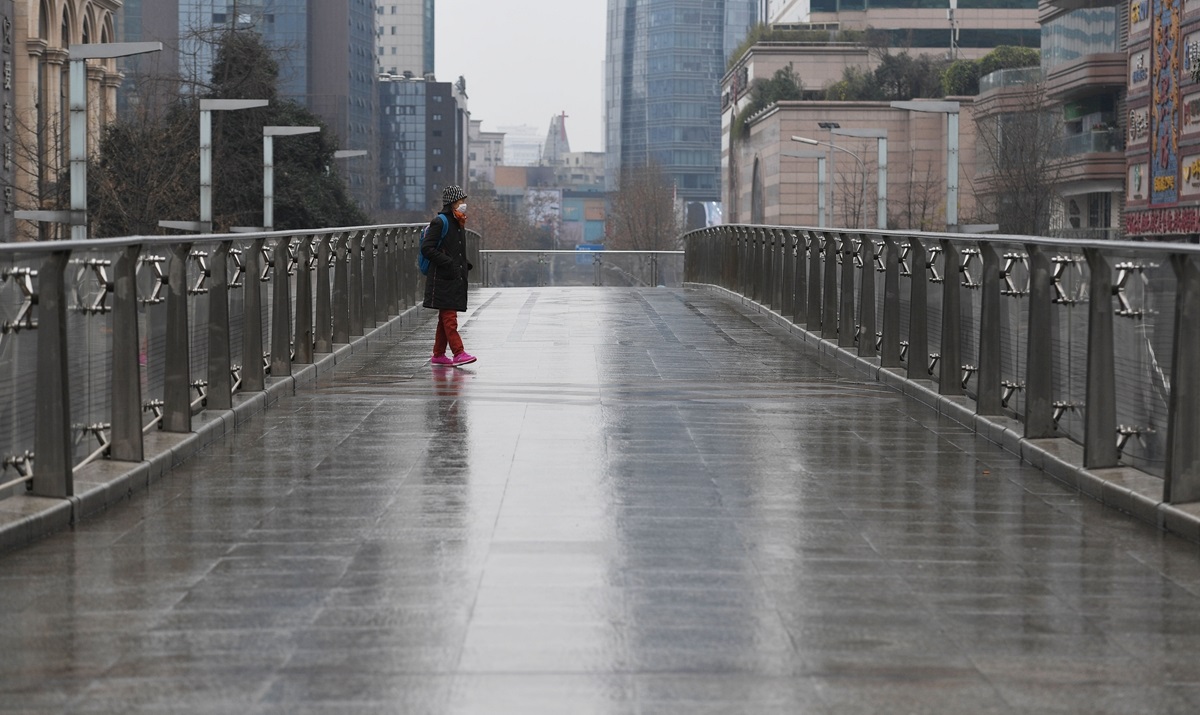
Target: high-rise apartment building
x,y
665,60
404,36
326,53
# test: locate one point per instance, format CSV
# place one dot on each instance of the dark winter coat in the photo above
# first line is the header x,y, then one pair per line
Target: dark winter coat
x,y
446,283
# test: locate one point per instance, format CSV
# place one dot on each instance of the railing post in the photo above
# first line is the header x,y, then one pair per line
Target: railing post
x,y
774,269
383,283
846,326
304,322
743,259
730,267
220,362
53,445
324,326
1039,410
281,312
889,355
396,271
950,374
760,272
253,372
829,297
355,294
1181,481
866,298
341,290
816,247
918,318
368,277
177,381
1100,427
127,441
799,276
400,270
987,392
787,282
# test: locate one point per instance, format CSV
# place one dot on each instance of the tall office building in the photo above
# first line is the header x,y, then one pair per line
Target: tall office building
x,y
326,53
665,60
404,36
424,134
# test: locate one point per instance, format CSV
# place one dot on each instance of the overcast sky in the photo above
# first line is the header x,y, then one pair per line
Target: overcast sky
x,y
526,61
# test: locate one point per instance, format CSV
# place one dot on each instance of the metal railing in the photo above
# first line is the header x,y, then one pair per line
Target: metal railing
x,y
1018,77
1012,323
527,268
1094,142
102,341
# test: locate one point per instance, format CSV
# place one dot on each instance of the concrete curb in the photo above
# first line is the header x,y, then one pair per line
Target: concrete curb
x,y
1124,488
105,483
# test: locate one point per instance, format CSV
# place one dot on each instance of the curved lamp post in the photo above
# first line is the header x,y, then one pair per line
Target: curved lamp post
x,y
207,107
78,96
881,145
862,165
950,109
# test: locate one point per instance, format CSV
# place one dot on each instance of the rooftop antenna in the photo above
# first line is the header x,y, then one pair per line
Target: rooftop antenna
x,y
953,30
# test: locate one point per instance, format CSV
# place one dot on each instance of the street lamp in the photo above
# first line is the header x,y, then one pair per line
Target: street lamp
x,y
862,165
881,193
78,96
829,126
820,157
207,107
269,134
950,109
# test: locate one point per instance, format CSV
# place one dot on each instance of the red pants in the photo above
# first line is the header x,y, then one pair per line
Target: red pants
x,y
447,333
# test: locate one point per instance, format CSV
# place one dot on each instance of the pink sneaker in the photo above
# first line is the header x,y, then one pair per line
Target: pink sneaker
x,y
440,360
463,358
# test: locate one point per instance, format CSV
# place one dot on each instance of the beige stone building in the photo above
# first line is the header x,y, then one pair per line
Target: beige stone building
x,y
767,180
37,104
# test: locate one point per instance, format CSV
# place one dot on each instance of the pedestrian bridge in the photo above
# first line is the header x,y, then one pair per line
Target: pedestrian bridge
x,y
640,499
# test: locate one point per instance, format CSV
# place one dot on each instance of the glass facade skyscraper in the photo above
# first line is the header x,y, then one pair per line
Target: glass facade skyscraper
x,y
665,60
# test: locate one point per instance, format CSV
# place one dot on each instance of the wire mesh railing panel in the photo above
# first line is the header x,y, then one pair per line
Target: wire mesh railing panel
x,y
18,362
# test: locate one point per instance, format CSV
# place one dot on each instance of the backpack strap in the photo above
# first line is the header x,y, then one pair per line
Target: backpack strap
x,y
445,227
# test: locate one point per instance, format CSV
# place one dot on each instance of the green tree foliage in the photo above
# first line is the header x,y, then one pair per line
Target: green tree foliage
x,y
898,77
784,85
962,77
857,84
148,168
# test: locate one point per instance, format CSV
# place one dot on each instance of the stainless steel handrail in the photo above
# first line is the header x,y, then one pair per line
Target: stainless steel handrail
x,y
1006,321
188,270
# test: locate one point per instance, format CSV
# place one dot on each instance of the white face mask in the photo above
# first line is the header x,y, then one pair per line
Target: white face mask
x,y
462,208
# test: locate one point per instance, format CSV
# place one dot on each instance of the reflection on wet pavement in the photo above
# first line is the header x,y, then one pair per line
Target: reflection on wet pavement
x,y
637,501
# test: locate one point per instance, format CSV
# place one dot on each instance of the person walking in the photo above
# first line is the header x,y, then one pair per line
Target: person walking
x,y
445,246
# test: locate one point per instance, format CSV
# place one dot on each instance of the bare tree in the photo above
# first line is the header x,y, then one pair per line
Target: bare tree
x,y
922,203
642,217
1018,152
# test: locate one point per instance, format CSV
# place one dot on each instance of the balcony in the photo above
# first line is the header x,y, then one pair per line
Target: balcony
x,y
1001,79
1093,142
1087,74
1096,158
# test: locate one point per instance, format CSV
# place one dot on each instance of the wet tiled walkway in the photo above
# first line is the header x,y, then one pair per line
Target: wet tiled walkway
x,y
636,502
